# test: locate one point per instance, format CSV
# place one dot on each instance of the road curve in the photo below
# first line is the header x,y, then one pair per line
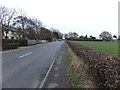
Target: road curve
x,y
26,67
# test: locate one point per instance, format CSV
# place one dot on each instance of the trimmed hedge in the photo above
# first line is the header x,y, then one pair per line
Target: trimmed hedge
x,y
21,42
12,44
7,46
84,39
9,41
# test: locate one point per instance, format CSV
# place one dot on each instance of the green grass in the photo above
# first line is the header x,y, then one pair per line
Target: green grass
x,y
108,47
69,57
73,77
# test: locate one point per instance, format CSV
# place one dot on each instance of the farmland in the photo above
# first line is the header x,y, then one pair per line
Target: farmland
x,y
107,47
101,66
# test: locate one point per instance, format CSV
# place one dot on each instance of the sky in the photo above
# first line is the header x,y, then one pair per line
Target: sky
x,y
85,17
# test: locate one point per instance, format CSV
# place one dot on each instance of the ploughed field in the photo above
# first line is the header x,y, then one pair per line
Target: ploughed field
x,y
107,47
104,68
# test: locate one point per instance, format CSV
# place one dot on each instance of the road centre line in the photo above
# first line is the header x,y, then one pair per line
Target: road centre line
x,y
25,55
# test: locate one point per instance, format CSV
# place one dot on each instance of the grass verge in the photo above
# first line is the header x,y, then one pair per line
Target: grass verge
x,y
72,73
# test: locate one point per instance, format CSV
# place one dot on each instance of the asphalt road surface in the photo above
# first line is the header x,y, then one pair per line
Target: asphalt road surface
x,y
27,66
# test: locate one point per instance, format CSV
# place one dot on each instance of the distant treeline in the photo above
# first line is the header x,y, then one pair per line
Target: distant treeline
x,y
78,39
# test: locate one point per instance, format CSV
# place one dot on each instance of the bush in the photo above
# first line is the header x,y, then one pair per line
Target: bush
x,y
7,46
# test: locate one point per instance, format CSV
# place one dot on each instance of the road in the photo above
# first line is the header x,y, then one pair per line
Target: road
x,y
26,67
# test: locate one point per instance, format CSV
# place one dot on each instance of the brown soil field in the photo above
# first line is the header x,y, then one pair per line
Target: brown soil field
x,y
103,68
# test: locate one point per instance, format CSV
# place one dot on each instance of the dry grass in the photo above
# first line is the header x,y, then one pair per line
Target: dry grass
x,y
86,81
78,72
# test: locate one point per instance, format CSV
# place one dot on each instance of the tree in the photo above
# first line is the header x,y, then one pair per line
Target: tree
x,y
66,36
105,35
45,34
86,37
19,32
6,16
56,33
91,37
24,27
31,33
23,23
30,27
3,14
81,37
115,36
37,25
73,35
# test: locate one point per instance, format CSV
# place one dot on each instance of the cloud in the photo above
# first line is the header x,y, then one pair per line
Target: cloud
x,y
83,16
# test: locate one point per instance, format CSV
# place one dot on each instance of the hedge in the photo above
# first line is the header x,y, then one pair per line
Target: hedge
x,y
7,46
85,39
12,44
9,41
22,42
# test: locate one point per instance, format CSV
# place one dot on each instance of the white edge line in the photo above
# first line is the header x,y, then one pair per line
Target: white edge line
x,y
25,54
44,79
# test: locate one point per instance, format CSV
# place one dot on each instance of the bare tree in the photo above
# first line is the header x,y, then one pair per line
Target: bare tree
x,y
37,25
21,22
3,14
6,16
73,35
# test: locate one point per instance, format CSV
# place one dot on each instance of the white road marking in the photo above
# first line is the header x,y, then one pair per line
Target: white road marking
x,y
44,79
45,47
25,54
52,85
56,68
56,75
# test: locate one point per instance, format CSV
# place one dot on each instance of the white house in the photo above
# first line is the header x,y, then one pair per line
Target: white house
x,y
11,35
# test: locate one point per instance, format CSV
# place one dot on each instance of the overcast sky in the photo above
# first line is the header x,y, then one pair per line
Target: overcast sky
x,y
86,17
